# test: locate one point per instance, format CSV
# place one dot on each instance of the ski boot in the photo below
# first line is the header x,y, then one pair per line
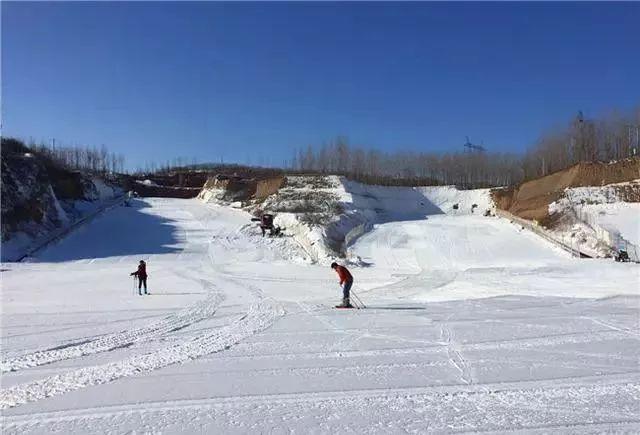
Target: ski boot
x,y
345,304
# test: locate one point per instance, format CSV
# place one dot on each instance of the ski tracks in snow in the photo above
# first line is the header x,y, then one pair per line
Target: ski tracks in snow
x,y
260,316
453,353
576,405
174,322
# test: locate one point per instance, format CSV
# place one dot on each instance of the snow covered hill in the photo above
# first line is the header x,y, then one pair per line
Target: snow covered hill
x,y
600,218
471,325
328,214
41,200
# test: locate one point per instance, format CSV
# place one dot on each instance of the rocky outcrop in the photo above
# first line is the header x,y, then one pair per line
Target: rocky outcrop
x,y
27,192
234,188
39,197
155,190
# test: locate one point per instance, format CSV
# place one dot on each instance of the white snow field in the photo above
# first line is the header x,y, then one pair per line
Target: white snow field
x,y
471,325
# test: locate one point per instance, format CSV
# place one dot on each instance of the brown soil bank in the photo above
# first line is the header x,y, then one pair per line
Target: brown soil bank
x,y
236,188
531,199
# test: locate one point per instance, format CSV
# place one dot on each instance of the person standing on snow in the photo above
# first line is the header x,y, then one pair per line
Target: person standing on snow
x,y
141,274
346,281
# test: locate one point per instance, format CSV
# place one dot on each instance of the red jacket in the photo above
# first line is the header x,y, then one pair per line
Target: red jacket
x,y
344,274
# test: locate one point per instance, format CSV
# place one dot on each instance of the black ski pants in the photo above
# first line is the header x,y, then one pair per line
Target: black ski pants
x,y
142,280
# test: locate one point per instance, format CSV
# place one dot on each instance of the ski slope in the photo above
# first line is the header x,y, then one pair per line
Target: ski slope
x,y
472,325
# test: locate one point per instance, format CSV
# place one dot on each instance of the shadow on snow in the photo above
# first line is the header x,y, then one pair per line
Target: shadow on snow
x,y
119,232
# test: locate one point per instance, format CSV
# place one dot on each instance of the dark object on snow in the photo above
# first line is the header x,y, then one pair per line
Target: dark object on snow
x,y
623,256
473,207
487,212
266,223
455,206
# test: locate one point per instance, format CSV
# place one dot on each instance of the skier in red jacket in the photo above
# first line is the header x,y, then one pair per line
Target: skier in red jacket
x,y
346,281
141,274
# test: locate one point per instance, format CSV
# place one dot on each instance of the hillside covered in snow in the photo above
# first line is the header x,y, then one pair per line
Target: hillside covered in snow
x,y
41,199
600,219
327,214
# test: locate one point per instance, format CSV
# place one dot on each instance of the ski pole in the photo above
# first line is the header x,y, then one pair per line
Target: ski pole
x,y
135,278
358,299
360,302
355,301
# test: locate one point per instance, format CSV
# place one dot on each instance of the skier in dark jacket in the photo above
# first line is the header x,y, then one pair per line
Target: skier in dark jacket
x,y
346,281
141,274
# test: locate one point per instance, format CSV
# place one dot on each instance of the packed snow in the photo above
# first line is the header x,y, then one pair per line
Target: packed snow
x,y
472,324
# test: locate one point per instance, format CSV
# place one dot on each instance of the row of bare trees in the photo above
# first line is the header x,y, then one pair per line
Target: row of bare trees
x,y
614,137
176,164
467,169
92,159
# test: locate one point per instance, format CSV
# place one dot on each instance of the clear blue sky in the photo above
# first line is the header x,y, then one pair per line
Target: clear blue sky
x,y
252,81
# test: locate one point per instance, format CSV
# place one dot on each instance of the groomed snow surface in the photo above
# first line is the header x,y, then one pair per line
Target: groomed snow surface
x,y
471,325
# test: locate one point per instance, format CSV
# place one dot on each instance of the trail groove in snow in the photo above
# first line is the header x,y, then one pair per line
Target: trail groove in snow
x,y
174,322
453,352
484,407
259,317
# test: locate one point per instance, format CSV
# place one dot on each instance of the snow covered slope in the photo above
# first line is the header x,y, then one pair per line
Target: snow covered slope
x,y
58,215
600,218
469,257
471,326
327,214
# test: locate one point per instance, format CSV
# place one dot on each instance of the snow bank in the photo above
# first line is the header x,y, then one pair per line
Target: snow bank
x,y
371,205
447,197
326,215
598,218
105,191
621,217
211,195
59,217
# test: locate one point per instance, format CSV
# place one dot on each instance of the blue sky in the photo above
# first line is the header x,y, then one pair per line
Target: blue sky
x,y
250,82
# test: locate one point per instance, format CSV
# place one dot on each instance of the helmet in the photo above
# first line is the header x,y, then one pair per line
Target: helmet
x,y
334,265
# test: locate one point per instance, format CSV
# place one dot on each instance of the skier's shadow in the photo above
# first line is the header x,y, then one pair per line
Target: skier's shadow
x,y
179,294
397,308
